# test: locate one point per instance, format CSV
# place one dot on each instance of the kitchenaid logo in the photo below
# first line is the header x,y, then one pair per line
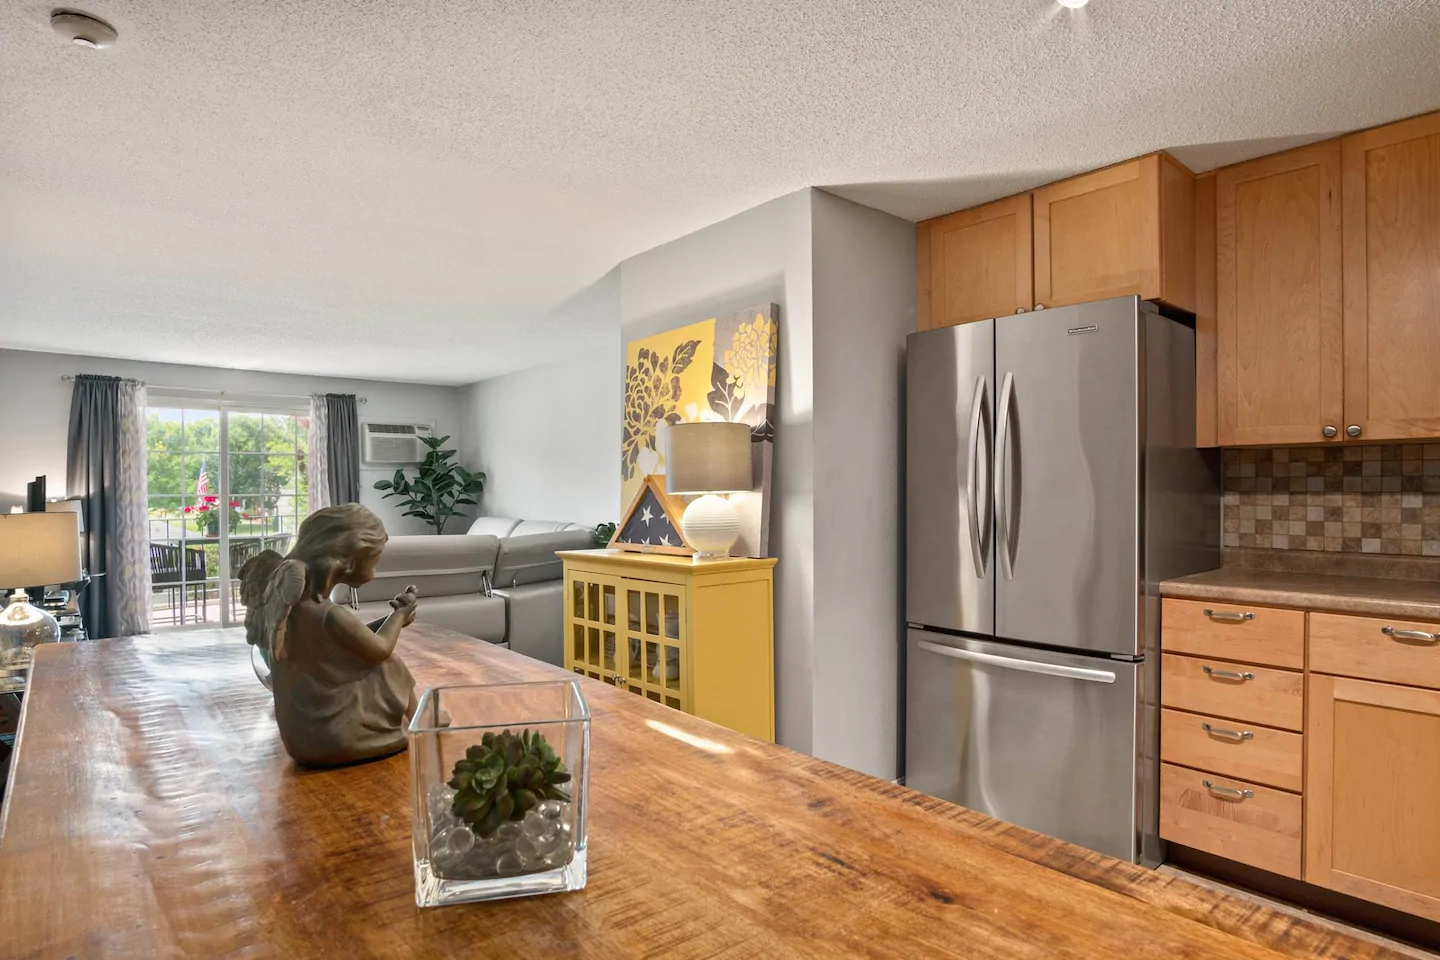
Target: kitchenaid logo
x,y
1077,330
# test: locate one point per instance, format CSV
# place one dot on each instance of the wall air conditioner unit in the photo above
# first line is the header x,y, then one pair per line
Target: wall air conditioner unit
x,y
394,442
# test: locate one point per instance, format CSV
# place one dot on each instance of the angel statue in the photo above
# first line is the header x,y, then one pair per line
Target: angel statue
x,y
341,693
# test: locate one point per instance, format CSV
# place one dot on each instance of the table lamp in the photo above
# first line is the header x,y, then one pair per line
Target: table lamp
x,y
36,550
710,458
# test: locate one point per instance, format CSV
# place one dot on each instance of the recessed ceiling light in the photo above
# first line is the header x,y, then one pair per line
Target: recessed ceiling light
x,y
82,29
1073,4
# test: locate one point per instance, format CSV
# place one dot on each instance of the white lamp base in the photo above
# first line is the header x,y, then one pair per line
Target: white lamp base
x,y
711,526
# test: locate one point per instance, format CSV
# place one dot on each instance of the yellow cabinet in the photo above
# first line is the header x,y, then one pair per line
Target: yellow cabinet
x,y
1372,774
697,637
1126,230
1278,319
1392,279
975,264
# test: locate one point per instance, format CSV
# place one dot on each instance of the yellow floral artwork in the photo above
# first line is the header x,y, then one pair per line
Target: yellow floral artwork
x,y
722,368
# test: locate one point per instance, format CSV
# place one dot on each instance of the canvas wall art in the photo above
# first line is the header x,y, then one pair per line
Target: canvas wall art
x,y
722,368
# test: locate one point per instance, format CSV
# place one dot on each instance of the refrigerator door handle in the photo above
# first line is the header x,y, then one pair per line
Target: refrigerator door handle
x,y
1012,663
979,419
1004,540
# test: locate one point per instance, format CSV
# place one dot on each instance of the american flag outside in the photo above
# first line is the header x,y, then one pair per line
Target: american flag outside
x,y
202,482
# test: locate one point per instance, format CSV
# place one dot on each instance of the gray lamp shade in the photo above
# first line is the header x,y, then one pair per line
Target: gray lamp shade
x,y
39,549
707,457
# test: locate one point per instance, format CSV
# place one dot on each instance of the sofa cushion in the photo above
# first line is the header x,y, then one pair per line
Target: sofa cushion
x,y
528,528
493,526
474,615
534,620
531,559
437,566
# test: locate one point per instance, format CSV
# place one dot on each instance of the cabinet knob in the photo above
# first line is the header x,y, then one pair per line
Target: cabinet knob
x,y
1353,430
1019,309
1329,431
1039,306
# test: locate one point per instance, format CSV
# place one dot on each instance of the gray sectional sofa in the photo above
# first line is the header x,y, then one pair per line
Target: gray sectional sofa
x,y
500,582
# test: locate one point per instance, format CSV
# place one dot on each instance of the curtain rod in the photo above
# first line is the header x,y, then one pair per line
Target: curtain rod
x,y
222,393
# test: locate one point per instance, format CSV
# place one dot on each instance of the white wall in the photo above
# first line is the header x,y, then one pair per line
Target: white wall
x,y
759,256
548,438
35,411
864,305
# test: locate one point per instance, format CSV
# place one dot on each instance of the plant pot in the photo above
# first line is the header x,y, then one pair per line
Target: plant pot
x,y
538,850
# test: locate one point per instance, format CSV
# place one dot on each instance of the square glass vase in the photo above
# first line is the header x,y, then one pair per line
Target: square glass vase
x,y
499,775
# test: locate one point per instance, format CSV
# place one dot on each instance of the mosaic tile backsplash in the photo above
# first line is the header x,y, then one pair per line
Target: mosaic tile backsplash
x,y
1382,498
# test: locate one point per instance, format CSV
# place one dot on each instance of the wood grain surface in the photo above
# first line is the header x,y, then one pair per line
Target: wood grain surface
x,y
153,813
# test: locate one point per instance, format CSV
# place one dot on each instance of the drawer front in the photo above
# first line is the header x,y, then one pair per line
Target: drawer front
x,y
1361,647
1235,691
1231,818
1233,748
1234,631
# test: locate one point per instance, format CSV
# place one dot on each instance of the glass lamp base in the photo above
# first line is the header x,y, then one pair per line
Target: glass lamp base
x,y
23,627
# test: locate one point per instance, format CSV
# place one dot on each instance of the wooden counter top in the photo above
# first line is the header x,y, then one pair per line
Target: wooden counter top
x,y
1366,596
152,812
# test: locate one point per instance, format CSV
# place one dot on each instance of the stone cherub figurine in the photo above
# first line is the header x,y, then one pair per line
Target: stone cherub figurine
x,y
341,693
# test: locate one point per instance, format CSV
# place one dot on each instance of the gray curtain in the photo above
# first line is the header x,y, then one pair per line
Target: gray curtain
x,y
342,447
105,466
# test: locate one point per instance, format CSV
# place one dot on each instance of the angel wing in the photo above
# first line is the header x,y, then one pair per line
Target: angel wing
x,y
269,587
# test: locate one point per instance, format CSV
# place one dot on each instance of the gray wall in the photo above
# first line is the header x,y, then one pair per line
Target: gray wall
x,y
759,256
844,277
864,306
548,437
36,411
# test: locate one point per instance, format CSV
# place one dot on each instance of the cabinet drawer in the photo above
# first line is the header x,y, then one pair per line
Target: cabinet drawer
x,y
1234,631
1233,748
1231,818
1236,691
1360,647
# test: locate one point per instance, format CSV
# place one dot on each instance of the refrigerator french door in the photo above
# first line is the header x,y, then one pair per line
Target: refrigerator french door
x,y
1052,481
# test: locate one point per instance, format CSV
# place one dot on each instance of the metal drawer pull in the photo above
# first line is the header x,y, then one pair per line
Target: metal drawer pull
x,y
1225,791
1229,615
1236,735
1227,674
1422,635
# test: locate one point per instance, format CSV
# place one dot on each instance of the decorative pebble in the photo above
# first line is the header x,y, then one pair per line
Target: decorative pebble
x,y
550,809
509,864
460,840
508,830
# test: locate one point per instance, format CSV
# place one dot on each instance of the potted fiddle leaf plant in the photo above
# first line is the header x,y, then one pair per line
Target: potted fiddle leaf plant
x,y
439,486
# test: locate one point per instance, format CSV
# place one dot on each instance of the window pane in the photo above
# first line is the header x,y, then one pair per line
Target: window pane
x,y
279,432
202,430
166,517
162,429
246,432
247,474
163,474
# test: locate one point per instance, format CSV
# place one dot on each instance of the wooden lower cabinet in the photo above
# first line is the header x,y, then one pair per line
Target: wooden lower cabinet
x,y
1372,786
1231,818
1331,774
697,637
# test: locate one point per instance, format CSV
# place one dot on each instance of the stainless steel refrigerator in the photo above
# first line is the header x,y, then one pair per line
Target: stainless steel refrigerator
x,y
1052,481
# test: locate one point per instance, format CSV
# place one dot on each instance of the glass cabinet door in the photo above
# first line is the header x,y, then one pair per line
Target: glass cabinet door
x,y
654,632
591,613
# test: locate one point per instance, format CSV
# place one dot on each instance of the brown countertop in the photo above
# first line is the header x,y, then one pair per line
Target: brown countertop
x,y
1367,596
152,813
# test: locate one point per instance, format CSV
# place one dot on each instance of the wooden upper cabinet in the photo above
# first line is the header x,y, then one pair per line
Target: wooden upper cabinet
x,y
1392,279
1278,298
975,264
1126,230
1372,773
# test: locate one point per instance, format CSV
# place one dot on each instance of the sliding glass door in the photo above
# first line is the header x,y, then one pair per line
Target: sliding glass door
x,y
225,481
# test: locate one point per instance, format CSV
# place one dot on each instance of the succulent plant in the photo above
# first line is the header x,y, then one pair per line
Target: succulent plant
x,y
503,777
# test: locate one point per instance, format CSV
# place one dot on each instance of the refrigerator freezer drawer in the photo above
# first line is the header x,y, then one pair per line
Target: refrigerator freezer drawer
x,y
1045,740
